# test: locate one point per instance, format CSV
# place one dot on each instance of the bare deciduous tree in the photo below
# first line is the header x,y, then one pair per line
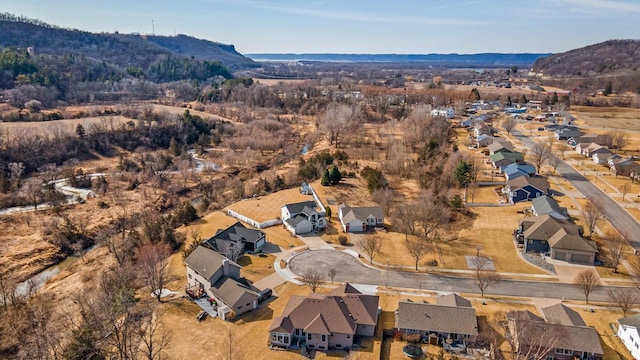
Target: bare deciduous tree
x,y
619,139
417,249
554,162
615,244
587,281
386,198
509,123
312,278
431,213
592,213
625,299
530,338
338,120
472,190
153,337
624,189
153,259
485,277
540,154
476,166
371,245
405,218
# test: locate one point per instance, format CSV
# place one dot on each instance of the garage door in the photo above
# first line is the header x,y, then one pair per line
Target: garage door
x,y
580,258
560,255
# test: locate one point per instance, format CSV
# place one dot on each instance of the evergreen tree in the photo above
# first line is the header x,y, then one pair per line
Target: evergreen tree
x,y
335,176
462,173
326,178
608,90
554,98
174,149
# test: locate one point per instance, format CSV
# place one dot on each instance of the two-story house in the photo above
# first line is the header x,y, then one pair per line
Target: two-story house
x,y
302,217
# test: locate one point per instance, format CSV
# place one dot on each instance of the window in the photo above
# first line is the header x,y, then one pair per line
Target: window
x,y
324,338
530,241
249,304
239,307
309,337
348,336
190,277
564,351
297,332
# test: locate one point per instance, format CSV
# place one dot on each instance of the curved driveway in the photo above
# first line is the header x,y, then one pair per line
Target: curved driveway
x,y
352,270
617,216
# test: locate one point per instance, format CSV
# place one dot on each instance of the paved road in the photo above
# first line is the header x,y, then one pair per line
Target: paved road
x,y
617,216
352,270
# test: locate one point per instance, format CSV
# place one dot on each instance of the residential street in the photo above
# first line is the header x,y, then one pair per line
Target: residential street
x,y
615,214
352,270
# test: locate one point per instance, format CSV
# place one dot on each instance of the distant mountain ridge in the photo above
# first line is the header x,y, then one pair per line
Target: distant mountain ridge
x,y
116,49
481,59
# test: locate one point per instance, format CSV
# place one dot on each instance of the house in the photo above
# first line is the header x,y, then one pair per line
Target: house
x,y
628,332
601,156
236,235
584,141
358,219
501,159
484,140
448,113
526,188
480,129
325,321
593,148
561,335
546,205
621,166
566,132
450,322
560,238
302,217
515,170
210,273
500,146
305,189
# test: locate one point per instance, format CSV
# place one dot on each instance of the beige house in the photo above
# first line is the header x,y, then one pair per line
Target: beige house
x,y
359,219
210,273
450,322
325,321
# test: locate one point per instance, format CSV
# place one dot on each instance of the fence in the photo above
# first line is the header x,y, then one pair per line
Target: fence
x,y
250,221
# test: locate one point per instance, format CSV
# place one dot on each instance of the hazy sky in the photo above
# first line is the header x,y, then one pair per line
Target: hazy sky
x,y
356,26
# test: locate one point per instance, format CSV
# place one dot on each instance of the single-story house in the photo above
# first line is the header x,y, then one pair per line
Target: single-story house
x,y
566,132
515,170
501,159
560,238
500,146
358,219
629,334
325,321
450,322
622,166
546,205
561,335
448,113
526,188
480,129
484,140
585,140
210,273
237,235
302,217
601,156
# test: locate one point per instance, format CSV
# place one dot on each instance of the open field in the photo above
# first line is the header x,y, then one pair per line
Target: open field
x,y
607,117
62,127
265,208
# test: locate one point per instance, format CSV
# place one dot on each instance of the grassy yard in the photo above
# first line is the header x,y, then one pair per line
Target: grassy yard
x,y
265,208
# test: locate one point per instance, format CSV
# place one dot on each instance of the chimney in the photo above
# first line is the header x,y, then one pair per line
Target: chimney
x,y
225,267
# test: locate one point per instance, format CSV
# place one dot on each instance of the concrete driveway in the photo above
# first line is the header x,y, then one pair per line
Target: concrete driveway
x,y
314,242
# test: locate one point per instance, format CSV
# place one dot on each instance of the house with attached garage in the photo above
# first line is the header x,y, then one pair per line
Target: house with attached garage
x,y
359,219
622,166
601,155
237,235
325,321
450,322
211,274
561,335
629,333
484,140
501,159
525,188
500,146
303,217
560,239
546,205
515,170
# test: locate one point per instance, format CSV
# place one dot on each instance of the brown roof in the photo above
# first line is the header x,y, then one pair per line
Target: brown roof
x,y
361,213
453,299
563,315
282,325
500,145
432,317
539,182
338,312
561,234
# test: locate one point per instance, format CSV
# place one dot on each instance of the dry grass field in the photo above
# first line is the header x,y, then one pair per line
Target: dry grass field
x,y
265,208
67,126
607,117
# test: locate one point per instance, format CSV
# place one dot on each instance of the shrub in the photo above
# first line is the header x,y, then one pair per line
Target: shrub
x,y
343,240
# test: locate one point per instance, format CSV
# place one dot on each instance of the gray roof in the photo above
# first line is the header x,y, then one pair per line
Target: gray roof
x,y
237,232
204,261
297,208
233,292
538,182
361,213
439,318
453,299
563,315
561,234
633,320
294,221
500,146
543,205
